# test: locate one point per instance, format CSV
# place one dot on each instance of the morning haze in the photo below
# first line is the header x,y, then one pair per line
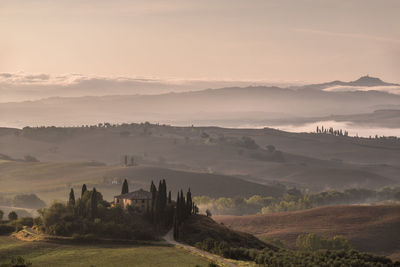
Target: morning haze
x,y
199,133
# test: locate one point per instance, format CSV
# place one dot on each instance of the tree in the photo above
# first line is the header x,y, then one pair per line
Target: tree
x,y
30,158
271,148
160,202
177,208
71,200
18,262
1,215
249,143
169,197
177,217
12,216
153,191
189,203
162,194
84,189
182,207
93,203
175,223
125,187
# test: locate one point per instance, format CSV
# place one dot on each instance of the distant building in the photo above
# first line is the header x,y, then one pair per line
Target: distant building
x,y
140,200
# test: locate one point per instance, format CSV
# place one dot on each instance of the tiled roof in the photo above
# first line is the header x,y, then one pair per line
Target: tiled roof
x,y
139,194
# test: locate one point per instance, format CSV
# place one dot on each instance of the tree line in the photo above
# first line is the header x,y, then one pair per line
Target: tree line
x,y
312,250
331,131
294,200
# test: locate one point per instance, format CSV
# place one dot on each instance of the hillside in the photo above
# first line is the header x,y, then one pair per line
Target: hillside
x,y
305,160
199,227
369,228
52,180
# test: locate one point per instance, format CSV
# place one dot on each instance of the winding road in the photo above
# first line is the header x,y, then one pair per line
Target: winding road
x,y
169,238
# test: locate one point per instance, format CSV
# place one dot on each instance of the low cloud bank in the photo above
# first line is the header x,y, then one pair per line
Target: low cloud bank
x,y
17,87
387,89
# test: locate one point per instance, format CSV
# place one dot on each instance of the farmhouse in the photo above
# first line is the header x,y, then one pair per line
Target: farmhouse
x,y
139,200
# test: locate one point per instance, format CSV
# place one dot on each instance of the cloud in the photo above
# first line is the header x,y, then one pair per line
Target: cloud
x,y
21,78
388,89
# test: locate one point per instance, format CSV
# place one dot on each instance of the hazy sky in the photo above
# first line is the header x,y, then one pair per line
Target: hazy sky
x,y
307,40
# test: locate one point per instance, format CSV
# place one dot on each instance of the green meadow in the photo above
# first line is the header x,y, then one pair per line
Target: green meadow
x,y
45,254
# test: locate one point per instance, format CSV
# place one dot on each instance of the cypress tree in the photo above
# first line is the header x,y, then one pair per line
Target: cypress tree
x,y
169,197
182,207
84,189
177,209
158,201
160,189
163,196
153,191
189,203
125,187
93,203
71,201
176,226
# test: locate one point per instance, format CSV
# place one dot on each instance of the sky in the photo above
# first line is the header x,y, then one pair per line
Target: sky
x,y
298,40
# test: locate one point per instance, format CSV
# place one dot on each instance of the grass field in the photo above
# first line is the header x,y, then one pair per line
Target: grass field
x,y
50,254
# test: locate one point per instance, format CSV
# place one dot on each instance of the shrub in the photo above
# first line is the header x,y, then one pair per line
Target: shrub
x,y
316,242
17,262
29,158
6,229
249,143
20,223
12,216
284,257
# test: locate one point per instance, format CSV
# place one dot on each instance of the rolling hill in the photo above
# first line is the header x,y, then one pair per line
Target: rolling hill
x,y
369,228
53,180
313,161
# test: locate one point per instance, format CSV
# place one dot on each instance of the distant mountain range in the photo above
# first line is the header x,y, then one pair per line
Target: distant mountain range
x,y
206,107
364,81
